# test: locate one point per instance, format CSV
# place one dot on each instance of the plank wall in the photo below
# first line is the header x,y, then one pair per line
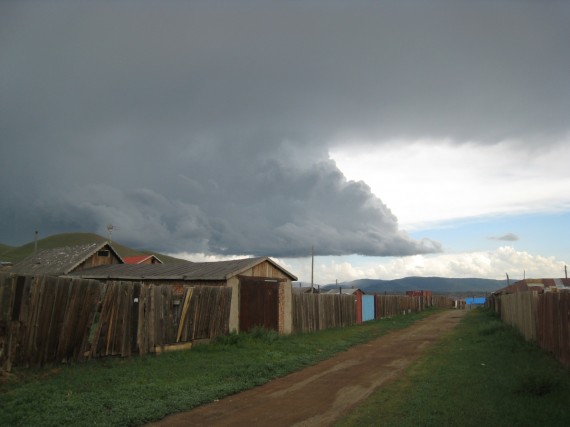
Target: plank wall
x,y
45,320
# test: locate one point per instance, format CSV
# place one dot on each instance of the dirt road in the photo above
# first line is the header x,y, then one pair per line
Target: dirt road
x,y
320,394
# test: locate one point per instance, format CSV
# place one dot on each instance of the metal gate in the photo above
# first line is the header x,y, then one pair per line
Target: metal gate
x,y
259,303
367,307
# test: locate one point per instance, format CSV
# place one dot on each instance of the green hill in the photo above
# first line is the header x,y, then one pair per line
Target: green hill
x,y
438,285
16,254
4,248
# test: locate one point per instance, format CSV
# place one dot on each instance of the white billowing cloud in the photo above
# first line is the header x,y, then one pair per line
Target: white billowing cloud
x,y
492,264
202,257
431,181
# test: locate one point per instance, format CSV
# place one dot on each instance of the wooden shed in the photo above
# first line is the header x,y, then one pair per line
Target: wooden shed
x,y
68,259
261,289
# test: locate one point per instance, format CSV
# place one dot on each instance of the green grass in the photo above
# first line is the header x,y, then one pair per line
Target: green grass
x,y
127,392
483,374
16,254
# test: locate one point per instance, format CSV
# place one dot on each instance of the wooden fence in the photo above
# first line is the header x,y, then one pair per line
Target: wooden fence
x,y
45,320
553,325
51,320
442,301
314,312
519,310
543,318
394,305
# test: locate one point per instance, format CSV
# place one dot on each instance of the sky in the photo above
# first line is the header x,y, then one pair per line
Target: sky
x,y
396,138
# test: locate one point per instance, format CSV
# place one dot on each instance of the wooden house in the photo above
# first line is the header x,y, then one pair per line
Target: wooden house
x,y
66,260
142,259
6,265
306,290
538,285
418,293
261,289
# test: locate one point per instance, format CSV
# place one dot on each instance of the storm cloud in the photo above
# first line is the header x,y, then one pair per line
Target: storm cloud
x,y
206,127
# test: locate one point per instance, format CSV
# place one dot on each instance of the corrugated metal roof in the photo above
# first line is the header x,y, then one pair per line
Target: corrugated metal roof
x,y
347,291
540,285
59,261
220,270
305,290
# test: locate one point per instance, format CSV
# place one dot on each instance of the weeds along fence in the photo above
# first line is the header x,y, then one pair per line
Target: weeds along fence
x,y
52,320
542,318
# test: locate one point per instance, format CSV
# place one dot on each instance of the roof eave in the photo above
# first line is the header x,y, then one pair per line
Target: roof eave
x,y
252,263
291,276
259,260
149,278
97,248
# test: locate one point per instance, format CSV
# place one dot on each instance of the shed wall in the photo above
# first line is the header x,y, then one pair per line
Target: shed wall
x,y
266,269
96,260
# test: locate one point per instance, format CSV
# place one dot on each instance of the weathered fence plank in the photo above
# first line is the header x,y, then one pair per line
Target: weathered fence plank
x,y
543,318
520,310
52,320
553,321
313,312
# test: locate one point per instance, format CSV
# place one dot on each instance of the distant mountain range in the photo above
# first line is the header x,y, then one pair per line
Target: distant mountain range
x,y
438,285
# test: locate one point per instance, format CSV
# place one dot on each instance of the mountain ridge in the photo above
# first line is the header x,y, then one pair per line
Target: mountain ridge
x,y
438,285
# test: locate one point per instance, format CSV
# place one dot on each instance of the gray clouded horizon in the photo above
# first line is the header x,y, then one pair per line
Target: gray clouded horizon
x,y
206,127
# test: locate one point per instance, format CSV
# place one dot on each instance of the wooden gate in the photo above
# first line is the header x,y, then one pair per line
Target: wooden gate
x,y
259,303
368,302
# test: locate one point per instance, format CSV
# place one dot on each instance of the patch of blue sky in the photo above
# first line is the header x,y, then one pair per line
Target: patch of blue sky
x,y
539,233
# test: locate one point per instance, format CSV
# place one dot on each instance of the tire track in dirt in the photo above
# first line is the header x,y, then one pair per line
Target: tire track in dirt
x,y
322,393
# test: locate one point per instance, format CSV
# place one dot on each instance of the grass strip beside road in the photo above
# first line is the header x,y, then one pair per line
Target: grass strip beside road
x,y
130,392
482,374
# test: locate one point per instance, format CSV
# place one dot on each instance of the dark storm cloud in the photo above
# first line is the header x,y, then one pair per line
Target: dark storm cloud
x,y
206,126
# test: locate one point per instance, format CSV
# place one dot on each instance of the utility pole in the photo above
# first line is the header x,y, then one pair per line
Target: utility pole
x,y
35,241
566,271
508,283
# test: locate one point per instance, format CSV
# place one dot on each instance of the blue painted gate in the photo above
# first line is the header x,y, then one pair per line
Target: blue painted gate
x,y
475,301
367,307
